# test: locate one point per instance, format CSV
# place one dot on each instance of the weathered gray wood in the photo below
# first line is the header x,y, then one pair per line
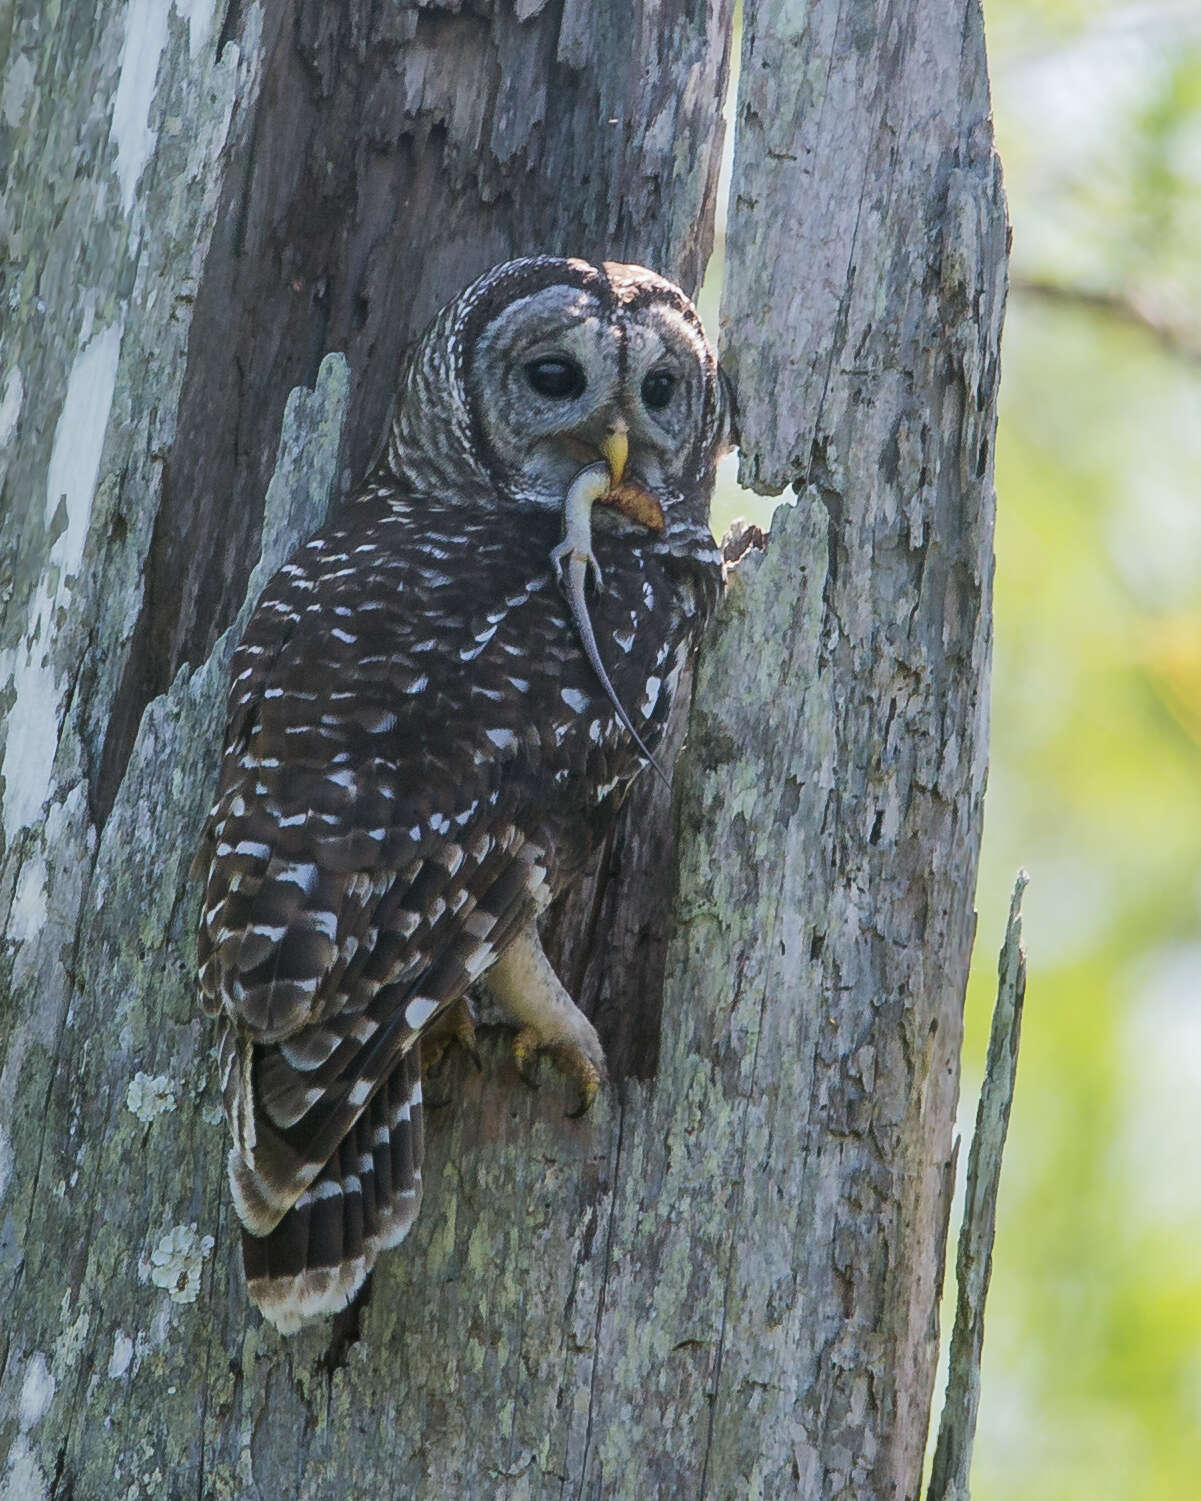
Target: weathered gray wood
x,y
867,218
724,1281
951,1471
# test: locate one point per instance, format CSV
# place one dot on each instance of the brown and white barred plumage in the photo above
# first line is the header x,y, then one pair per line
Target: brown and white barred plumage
x,y
418,759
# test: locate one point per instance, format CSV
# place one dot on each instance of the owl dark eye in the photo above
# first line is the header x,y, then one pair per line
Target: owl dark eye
x,y
561,380
657,389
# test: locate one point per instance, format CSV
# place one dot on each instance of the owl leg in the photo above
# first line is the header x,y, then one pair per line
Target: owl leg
x,y
452,1028
529,990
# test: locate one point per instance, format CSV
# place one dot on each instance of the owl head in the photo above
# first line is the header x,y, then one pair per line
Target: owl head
x,y
544,366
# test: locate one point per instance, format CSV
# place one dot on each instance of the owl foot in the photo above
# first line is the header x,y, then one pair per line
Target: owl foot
x,y
531,993
571,1060
454,1028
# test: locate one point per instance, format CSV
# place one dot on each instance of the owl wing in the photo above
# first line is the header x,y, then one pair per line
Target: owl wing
x,y
371,857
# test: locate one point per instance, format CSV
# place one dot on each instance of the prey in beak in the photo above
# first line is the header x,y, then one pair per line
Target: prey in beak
x,y
624,496
573,558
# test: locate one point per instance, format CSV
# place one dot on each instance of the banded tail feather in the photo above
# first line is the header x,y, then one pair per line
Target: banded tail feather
x,y
363,1200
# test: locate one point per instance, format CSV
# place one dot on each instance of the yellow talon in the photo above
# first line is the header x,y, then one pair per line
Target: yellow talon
x,y
455,1026
525,1055
570,1061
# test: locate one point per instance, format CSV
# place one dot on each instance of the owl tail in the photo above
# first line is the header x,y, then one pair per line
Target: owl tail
x,y
363,1201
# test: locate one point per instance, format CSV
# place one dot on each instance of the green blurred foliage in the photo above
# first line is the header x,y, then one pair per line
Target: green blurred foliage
x,y
1092,1374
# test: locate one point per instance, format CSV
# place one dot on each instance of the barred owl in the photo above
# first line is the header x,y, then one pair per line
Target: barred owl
x,y
436,711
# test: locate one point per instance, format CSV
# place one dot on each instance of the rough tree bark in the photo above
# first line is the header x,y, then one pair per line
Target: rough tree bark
x,y
724,1281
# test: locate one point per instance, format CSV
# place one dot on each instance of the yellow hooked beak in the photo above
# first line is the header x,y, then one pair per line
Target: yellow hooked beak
x,y
616,448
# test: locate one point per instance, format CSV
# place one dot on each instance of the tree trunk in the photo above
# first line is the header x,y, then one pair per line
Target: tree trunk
x,y
724,1281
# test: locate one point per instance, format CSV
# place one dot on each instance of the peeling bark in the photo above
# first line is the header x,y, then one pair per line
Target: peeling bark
x,y
724,1281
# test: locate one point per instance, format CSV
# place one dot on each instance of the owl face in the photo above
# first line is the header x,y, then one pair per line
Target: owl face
x,y
528,376
555,373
